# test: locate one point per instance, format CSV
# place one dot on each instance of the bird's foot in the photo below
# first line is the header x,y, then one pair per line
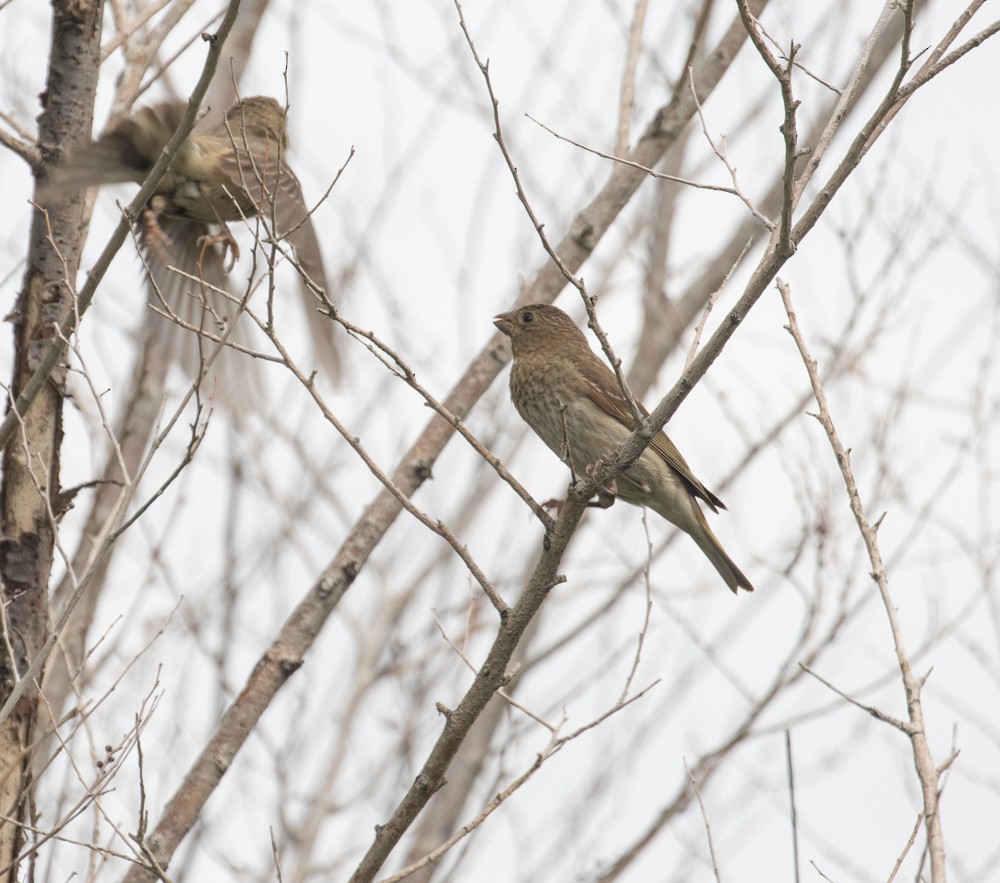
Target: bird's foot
x,y
605,497
229,247
606,493
155,236
555,505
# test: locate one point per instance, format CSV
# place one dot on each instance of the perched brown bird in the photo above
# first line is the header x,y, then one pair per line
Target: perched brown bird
x,y
573,402
233,170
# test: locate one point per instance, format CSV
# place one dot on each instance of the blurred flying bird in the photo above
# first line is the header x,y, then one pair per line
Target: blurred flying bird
x,y
236,169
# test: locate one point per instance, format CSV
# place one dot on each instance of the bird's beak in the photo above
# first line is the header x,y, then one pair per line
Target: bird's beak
x,y
504,322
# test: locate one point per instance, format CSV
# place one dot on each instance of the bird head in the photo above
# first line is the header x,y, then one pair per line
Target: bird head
x,y
259,115
538,327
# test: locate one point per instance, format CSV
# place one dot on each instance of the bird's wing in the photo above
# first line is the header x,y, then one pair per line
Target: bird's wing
x,y
293,220
274,191
148,130
603,390
278,194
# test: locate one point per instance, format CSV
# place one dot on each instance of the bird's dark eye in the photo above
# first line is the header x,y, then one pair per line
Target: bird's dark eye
x,y
527,316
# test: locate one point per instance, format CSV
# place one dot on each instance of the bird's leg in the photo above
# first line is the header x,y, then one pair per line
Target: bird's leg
x,y
228,242
605,493
605,498
153,234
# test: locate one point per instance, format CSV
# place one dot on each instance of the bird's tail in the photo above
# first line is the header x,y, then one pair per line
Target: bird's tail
x,y
233,380
709,543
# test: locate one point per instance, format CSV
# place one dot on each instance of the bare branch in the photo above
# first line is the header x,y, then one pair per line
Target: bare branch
x,y
926,770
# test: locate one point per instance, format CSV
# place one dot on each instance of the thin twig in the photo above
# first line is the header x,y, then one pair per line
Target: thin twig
x,y
710,302
704,817
723,156
401,369
818,871
435,525
791,803
876,713
906,849
664,176
554,747
538,719
926,769
641,640
626,94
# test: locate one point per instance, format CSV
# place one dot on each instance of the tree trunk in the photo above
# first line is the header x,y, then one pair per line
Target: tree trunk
x,y
30,489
